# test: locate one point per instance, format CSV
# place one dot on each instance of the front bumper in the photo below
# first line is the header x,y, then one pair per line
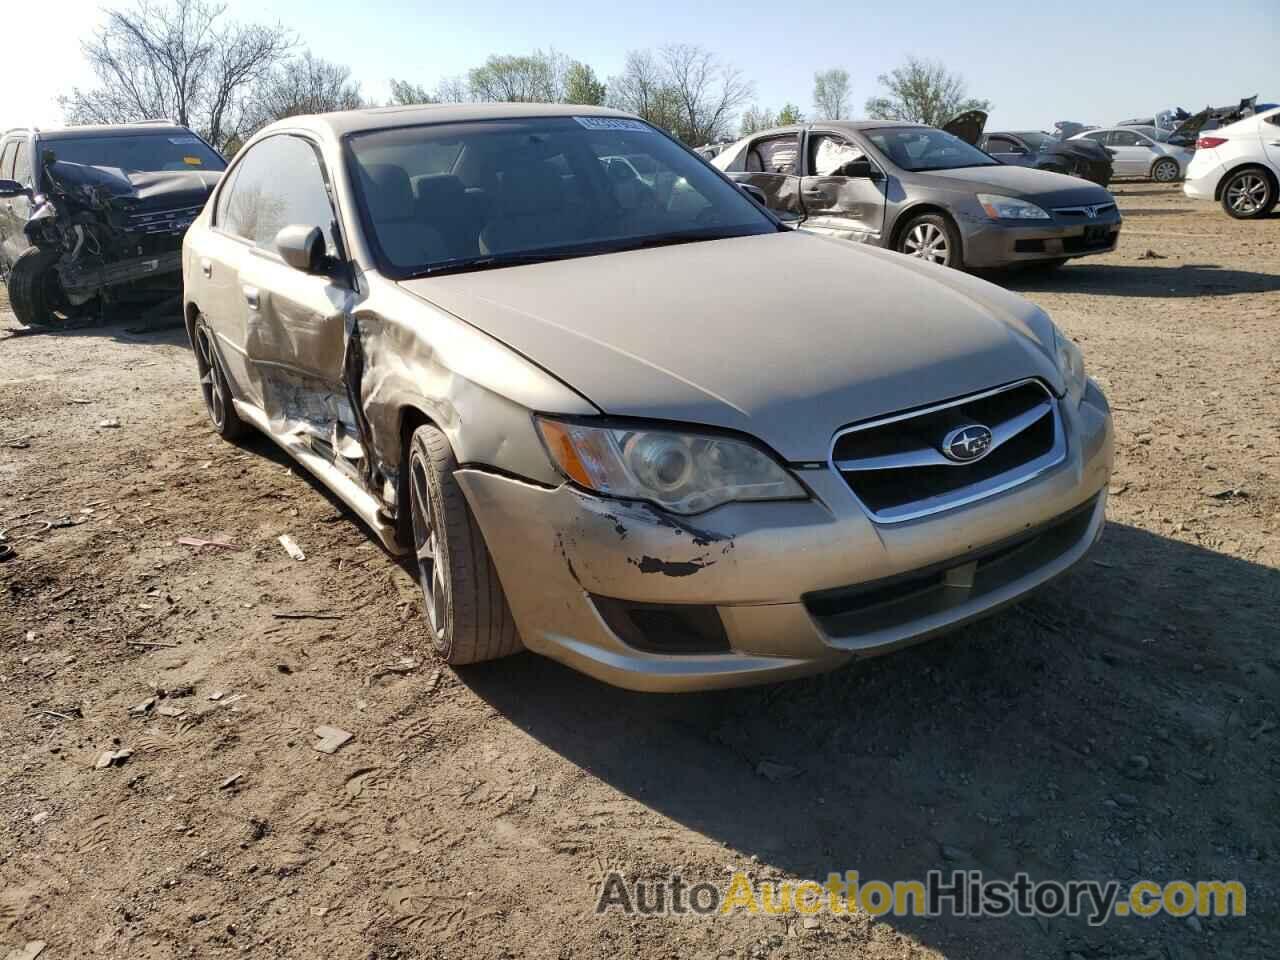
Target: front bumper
x,y
994,243
777,573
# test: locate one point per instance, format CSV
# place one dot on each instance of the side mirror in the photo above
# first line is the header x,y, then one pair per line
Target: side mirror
x,y
857,168
755,193
12,188
302,248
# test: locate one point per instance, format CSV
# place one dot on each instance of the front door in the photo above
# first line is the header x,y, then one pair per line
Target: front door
x,y
773,165
289,327
849,207
1133,153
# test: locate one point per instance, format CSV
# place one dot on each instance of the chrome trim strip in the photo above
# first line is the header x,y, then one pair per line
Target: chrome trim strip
x,y
929,457
974,492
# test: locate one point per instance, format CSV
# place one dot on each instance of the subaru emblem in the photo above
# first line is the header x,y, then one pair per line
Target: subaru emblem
x,y
966,444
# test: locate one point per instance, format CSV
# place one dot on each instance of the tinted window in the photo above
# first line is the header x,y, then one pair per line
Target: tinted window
x,y
828,154
926,148
536,188
6,159
278,183
1000,145
139,154
1126,138
1038,141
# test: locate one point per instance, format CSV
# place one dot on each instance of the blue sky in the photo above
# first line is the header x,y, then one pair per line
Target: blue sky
x,y
1036,62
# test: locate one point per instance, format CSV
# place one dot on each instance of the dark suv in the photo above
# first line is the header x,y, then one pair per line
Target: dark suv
x,y
95,214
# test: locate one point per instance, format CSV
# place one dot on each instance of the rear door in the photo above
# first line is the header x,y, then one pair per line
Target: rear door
x,y
850,207
773,165
1270,130
288,327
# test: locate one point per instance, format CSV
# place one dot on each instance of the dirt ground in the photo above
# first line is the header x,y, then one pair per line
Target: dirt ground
x,y
1121,724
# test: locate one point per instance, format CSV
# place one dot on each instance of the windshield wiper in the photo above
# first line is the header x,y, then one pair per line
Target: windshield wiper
x,y
491,261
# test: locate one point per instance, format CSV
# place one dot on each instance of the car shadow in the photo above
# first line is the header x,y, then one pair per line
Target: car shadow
x,y
1123,280
167,330
1007,746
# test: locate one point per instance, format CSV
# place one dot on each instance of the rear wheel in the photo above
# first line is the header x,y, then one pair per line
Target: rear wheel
x,y
1165,171
35,293
932,237
213,385
466,610
1248,194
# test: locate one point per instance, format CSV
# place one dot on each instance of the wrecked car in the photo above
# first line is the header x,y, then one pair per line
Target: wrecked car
x,y
923,192
1186,133
1238,164
1032,148
95,215
634,424
1139,151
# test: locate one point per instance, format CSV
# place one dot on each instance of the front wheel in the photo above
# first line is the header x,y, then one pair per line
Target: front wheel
x,y
35,292
468,619
1165,171
932,237
1248,194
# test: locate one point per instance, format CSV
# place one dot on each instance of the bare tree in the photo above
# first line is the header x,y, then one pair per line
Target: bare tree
x,y
404,93
923,91
642,89
305,84
707,92
754,119
831,94
179,59
453,90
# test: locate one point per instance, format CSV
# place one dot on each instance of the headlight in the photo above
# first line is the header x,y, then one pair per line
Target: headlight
x,y
1071,364
1009,208
683,473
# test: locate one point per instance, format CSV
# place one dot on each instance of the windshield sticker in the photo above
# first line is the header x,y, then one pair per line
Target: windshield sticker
x,y
182,140
193,161
614,123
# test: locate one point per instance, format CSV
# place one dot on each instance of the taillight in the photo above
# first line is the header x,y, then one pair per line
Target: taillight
x,y
1208,143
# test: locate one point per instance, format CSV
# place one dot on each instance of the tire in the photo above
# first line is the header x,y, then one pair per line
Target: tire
x,y
467,615
932,237
213,385
35,293
1166,171
1248,194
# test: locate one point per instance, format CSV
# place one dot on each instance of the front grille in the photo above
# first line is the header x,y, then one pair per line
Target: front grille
x,y
164,221
897,470
1082,213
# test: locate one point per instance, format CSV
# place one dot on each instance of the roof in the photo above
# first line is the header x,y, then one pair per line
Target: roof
x,y
113,130
383,118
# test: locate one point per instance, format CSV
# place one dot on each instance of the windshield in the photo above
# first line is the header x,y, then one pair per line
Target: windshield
x,y
490,193
138,154
925,148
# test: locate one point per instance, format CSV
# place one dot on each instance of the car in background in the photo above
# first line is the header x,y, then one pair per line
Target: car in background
x,y
924,192
1043,151
1239,165
1135,153
95,214
654,435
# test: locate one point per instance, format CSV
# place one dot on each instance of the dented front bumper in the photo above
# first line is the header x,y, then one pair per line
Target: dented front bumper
x,y
799,587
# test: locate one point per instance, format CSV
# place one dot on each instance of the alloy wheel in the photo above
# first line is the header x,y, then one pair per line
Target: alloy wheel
x,y
428,548
1166,171
211,381
1247,193
928,241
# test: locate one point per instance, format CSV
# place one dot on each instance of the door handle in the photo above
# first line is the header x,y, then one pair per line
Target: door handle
x,y
251,297
206,268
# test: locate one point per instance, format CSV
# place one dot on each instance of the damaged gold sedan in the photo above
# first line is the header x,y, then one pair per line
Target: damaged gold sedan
x,y
621,414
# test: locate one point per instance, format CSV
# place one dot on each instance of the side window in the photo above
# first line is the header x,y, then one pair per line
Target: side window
x,y
776,155
6,159
1125,138
278,183
22,165
1274,120
829,153
1099,136
1000,145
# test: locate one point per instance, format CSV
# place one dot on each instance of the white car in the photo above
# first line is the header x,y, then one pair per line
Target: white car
x,y
1136,153
1239,164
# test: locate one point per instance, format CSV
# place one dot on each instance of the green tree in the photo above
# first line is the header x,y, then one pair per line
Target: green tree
x,y
582,86
755,119
404,93
518,78
831,94
789,114
923,91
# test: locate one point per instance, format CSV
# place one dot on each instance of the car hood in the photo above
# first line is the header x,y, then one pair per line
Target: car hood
x,y
1043,187
139,191
786,336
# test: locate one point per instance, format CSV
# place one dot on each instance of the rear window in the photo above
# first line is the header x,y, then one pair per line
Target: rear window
x,y
148,153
